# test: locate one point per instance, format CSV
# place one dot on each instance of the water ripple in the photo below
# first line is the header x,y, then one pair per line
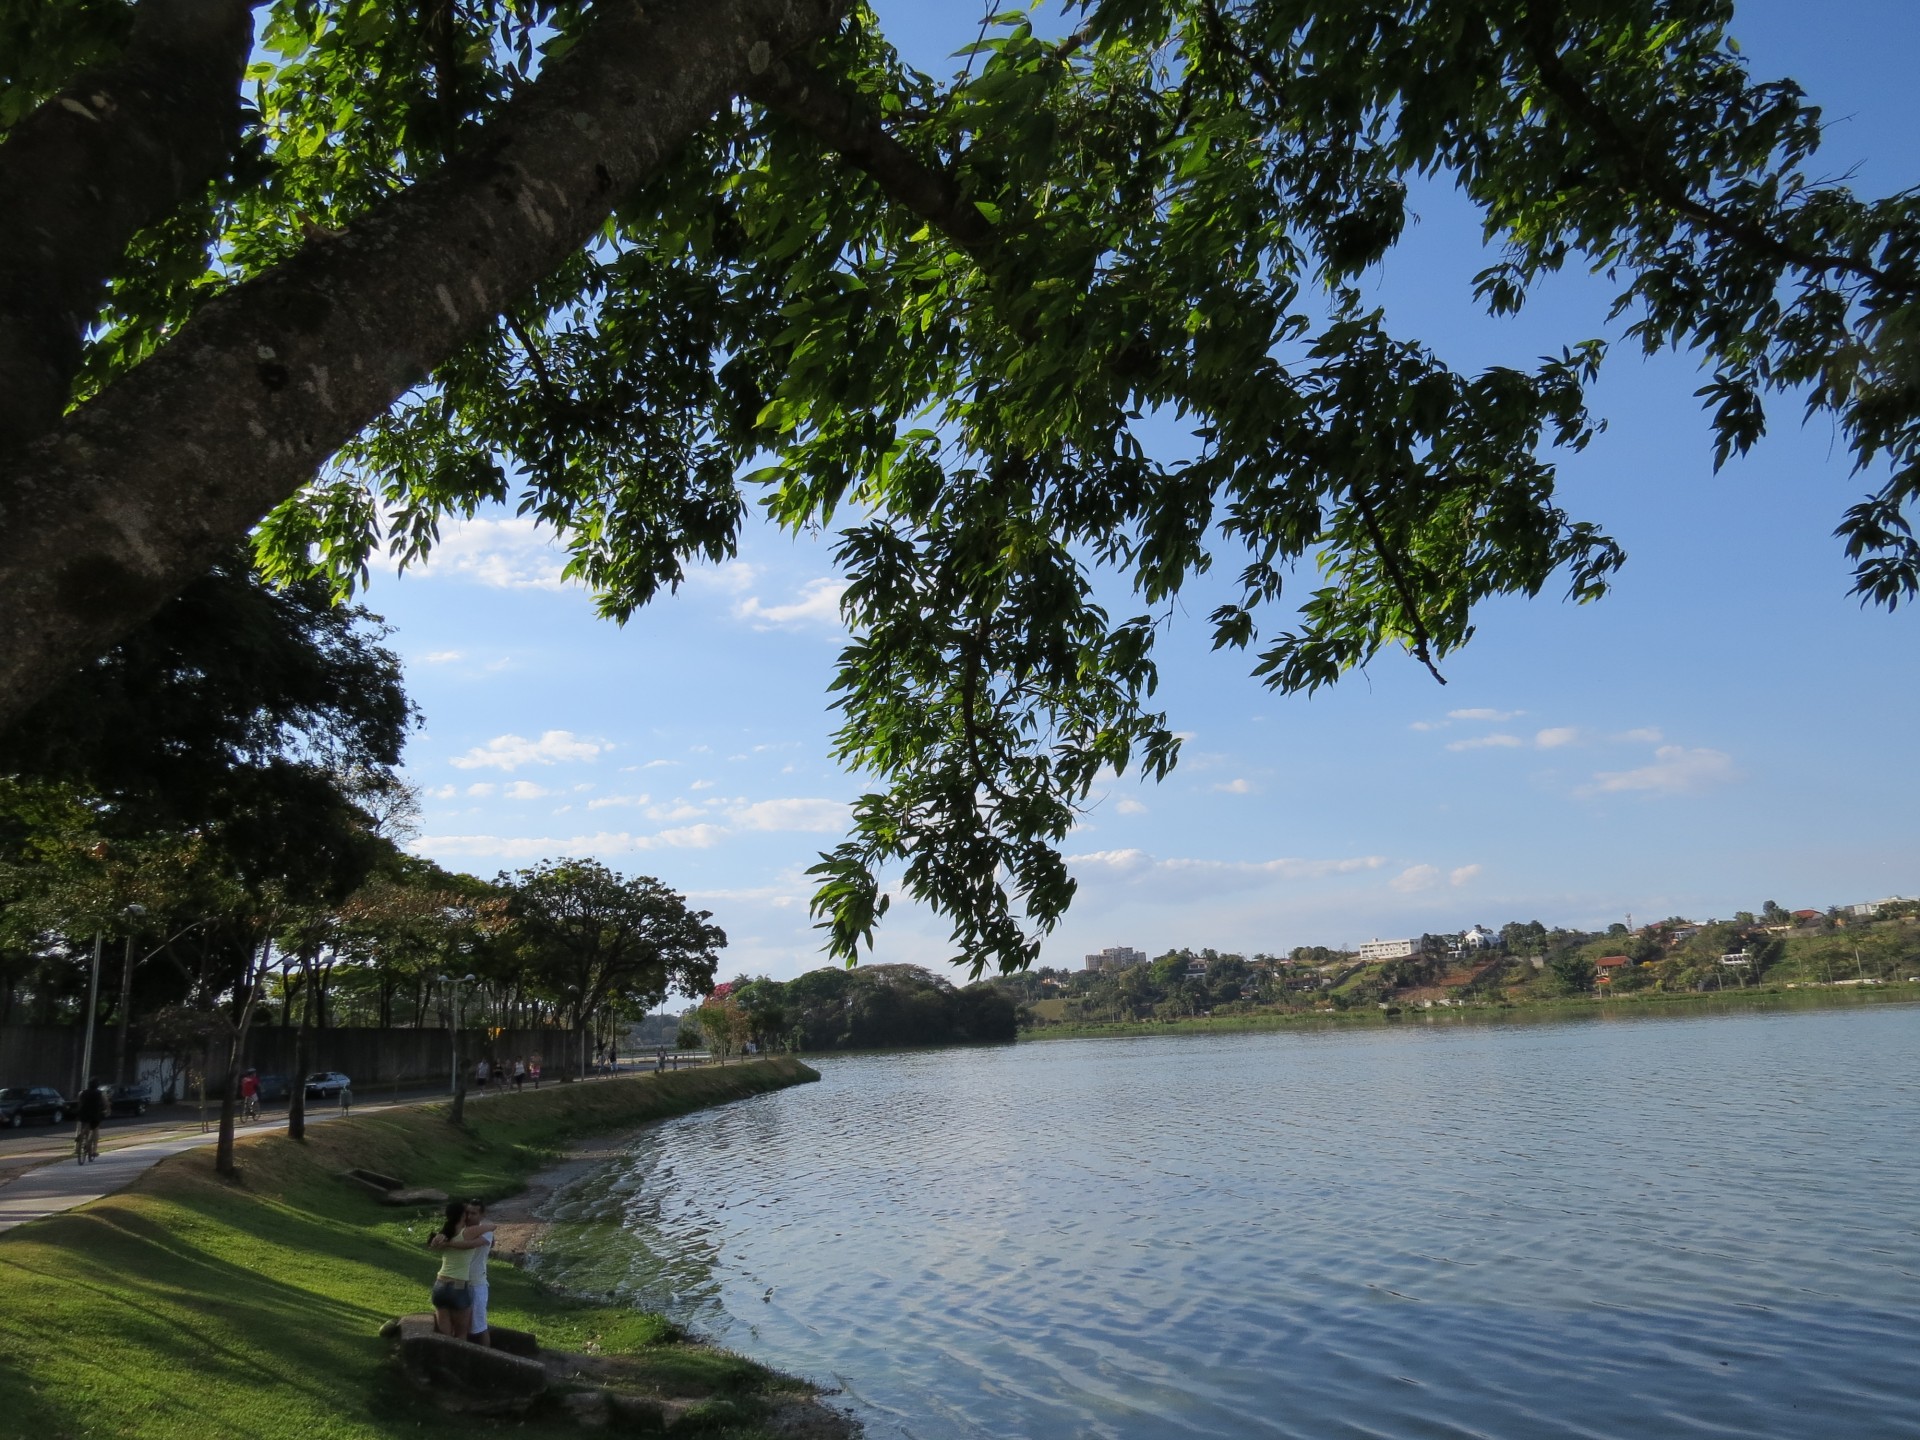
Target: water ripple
x,y
1691,1227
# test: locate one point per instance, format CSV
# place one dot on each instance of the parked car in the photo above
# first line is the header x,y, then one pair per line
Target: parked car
x,y
326,1084
274,1088
131,1099
32,1102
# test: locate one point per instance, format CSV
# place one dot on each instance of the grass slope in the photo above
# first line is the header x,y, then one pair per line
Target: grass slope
x,y
191,1306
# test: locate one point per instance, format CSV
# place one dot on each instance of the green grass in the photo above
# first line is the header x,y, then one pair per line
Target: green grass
x,y
195,1307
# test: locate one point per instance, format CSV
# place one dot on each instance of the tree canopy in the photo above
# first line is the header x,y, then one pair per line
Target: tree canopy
x,y
637,268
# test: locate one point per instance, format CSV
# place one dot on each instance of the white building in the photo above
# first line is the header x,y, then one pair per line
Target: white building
x,y
1478,938
1388,949
1871,908
1116,957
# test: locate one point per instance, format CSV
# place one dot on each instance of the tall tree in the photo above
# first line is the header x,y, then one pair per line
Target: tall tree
x,y
600,939
613,256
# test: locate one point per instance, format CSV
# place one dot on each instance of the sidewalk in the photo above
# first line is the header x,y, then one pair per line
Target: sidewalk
x,y
58,1184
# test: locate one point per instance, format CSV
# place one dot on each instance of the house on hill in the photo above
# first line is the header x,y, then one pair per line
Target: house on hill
x,y
1610,966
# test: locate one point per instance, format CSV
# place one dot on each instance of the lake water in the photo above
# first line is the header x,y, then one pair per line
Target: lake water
x,y
1702,1226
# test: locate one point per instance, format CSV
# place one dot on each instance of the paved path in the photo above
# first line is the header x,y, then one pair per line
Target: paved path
x,y
58,1184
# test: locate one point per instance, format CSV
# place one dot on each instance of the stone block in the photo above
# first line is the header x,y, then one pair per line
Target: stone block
x,y
414,1195
467,1377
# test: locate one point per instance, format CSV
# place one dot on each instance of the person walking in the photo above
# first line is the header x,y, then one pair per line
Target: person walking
x,y
519,1074
533,1071
481,1072
452,1293
250,1095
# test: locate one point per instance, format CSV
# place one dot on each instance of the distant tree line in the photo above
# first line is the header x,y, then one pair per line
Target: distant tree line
x,y
870,1007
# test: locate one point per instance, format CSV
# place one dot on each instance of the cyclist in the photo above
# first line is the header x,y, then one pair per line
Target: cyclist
x,y
250,1095
92,1109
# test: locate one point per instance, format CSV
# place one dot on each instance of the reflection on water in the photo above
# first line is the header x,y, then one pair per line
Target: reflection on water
x,y
1678,1227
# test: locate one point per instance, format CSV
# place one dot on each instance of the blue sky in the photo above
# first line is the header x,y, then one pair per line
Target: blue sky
x,y
1727,727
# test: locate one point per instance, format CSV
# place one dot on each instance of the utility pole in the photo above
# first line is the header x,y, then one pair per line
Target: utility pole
x,y
93,1003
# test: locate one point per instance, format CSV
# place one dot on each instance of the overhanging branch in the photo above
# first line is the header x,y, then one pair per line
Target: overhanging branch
x,y
139,489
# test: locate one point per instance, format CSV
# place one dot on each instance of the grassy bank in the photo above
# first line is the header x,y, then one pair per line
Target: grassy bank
x,y
1646,1002
189,1307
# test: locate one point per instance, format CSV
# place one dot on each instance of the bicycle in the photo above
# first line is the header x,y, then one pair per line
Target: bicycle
x,y
86,1143
249,1109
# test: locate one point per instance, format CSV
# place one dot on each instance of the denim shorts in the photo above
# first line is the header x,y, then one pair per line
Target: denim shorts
x,y
451,1295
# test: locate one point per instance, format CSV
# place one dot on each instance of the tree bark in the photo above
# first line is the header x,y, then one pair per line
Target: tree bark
x,y
297,1082
121,148
236,1060
140,489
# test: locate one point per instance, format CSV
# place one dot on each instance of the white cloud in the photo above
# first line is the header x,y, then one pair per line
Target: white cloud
x,y
510,553
1486,742
678,810
1462,875
1415,877
537,847
655,764
1646,735
819,604
1675,770
693,837
527,790
1558,735
483,787
1137,869
1127,805
1234,787
734,577
808,815
701,785
442,657
1426,724
602,802
510,752
1494,715
442,792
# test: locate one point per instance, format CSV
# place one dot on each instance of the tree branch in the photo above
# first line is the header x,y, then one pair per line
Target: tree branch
x,y
116,151
1565,87
139,489
1422,644
812,102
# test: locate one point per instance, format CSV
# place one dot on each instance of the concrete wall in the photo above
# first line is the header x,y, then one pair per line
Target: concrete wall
x,y
50,1054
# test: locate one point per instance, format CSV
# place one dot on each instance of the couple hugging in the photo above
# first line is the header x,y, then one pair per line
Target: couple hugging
x,y
460,1289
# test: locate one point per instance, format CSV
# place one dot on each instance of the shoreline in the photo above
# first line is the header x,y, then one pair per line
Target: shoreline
x,y
518,1229
1559,1008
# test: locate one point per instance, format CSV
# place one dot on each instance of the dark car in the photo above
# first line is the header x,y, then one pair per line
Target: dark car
x,y
273,1088
130,1099
32,1102
325,1084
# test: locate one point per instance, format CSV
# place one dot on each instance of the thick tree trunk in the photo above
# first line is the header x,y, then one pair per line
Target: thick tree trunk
x,y
138,491
122,147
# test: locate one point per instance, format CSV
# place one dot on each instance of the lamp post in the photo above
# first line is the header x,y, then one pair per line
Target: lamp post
x,y
93,999
453,984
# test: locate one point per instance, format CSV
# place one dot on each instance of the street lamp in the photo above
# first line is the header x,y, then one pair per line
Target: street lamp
x,y
131,912
453,1026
